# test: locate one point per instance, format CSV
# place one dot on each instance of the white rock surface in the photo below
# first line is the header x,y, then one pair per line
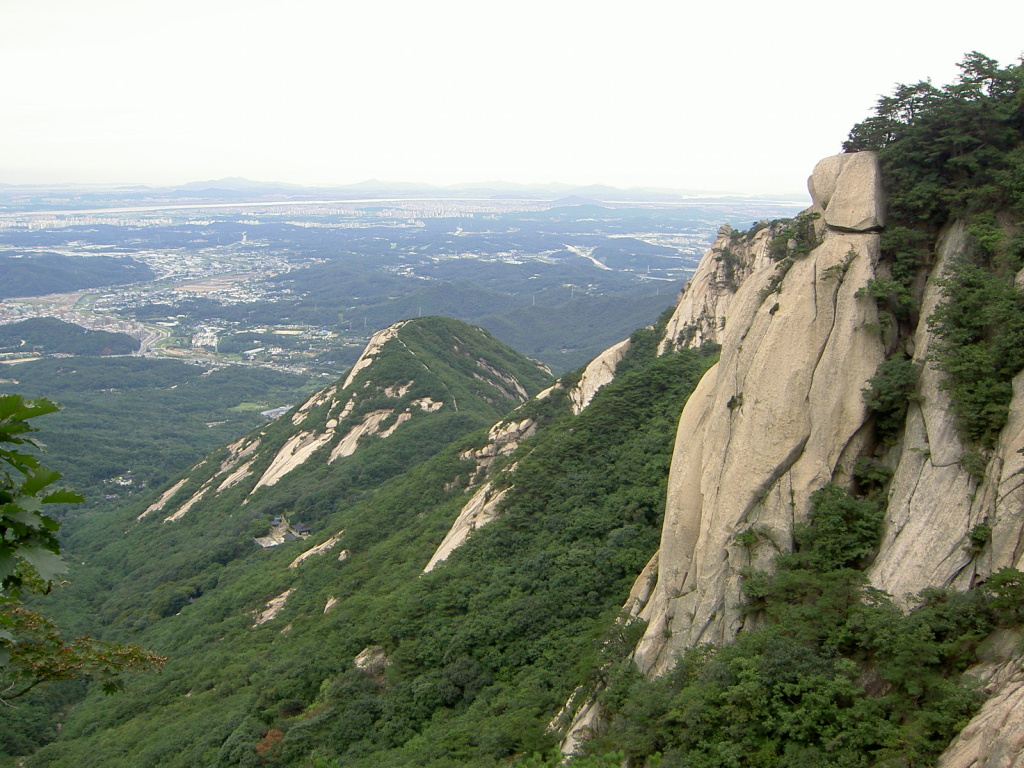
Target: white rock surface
x,y
319,549
183,510
273,607
370,425
481,509
857,203
597,374
502,439
373,348
235,477
293,453
238,450
772,422
400,419
373,659
428,404
823,180
166,496
700,314
585,723
317,398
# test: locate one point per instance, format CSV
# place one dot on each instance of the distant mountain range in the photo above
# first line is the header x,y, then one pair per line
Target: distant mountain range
x,y
15,198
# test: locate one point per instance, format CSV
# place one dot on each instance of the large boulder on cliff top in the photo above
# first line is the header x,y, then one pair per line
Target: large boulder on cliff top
x,y
849,189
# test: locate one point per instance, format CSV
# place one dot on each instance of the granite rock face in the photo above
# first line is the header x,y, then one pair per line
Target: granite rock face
x,y
848,188
782,413
708,298
778,417
600,371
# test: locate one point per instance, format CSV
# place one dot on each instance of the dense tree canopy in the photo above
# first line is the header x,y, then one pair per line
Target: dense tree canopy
x,y
949,154
32,650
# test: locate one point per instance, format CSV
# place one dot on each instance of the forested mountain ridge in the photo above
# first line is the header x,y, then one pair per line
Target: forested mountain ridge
x,y
414,369
793,566
379,518
48,335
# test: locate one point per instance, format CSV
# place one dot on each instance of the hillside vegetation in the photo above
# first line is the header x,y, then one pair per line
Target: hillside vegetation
x,y
47,335
473,656
947,154
144,420
38,274
340,650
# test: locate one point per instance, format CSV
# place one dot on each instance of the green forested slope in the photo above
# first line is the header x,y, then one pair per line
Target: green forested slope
x,y
480,652
150,418
38,274
46,335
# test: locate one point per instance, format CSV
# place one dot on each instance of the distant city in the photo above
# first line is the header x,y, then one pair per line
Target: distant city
x,y
242,282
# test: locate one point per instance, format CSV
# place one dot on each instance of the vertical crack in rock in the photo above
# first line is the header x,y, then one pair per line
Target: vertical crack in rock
x,y
774,476
828,336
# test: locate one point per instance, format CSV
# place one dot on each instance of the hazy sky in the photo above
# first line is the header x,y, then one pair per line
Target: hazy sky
x,y
733,95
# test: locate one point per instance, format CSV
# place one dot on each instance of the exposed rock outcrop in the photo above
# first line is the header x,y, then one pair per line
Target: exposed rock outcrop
x,y
184,508
373,348
777,417
994,738
598,373
700,314
319,549
370,425
294,453
373,661
849,190
478,511
782,413
273,607
166,496
483,507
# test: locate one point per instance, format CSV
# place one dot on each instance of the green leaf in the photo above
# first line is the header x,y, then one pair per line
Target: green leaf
x,y
39,480
47,564
7,562
25,517
63,496
17,408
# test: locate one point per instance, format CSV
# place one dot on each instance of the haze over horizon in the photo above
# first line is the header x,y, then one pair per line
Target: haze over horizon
x,y
656,95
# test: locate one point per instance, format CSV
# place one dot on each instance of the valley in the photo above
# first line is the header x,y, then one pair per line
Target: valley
x,y
266,298
519,508
299,286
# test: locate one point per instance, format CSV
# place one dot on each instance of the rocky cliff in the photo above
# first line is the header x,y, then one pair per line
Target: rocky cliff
x,y
783,413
